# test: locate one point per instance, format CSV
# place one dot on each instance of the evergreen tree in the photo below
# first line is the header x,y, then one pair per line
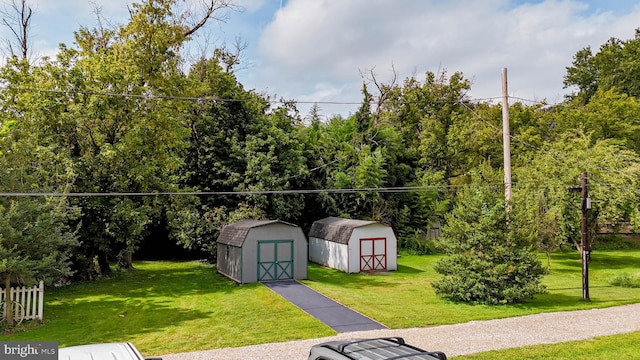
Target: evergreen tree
x,y
487,262
35,239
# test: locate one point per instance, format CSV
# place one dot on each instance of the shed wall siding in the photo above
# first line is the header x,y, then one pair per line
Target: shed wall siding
x,y
229,261
329,253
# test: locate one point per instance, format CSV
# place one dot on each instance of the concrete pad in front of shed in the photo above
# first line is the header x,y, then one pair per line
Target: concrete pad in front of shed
x,y
335,315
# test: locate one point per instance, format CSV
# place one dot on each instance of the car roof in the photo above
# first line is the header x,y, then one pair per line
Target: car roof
x,y
378,349
106,351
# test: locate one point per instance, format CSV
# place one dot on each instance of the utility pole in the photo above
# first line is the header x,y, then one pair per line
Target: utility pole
x,y
506,139
585,206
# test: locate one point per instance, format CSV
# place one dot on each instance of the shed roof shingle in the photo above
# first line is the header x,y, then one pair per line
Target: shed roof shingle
x,y
336,229
235,234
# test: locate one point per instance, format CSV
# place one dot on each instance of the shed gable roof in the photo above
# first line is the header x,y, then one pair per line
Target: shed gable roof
x,y
336,229
235,234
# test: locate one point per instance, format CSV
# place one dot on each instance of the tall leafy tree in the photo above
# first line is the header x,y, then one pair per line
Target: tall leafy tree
x,y
615,65
472,138
213,160
541,193
428,116
113,105
321,156
371,150
237,143
608,115
424,112
124,143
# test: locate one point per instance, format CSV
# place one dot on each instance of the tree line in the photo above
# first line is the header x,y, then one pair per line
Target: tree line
x,y
121,111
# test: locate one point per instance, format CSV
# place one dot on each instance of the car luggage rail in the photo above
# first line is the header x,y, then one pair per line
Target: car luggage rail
x,y
396,339
399,341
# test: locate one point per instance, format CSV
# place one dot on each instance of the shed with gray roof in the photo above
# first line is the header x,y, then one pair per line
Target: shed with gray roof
x,y
353,245
262,250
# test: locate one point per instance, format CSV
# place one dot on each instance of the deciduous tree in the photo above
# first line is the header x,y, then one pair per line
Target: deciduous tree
x,y
541,192
615,65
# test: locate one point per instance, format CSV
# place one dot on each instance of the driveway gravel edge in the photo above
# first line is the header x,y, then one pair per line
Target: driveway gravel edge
x,y
459,339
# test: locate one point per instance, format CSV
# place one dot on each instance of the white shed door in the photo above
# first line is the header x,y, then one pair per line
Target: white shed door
x,y
373,254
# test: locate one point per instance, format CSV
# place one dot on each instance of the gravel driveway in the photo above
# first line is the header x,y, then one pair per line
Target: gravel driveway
x,y
459,339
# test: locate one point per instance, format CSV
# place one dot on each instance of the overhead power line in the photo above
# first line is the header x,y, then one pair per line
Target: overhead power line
x,y
220,193
223,100
405,189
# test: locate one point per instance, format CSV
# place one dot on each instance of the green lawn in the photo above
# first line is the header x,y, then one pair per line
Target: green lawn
x,y
166,307
406,299
616,347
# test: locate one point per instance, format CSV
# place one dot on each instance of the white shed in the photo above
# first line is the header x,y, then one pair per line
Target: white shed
x,y
353,245
262,250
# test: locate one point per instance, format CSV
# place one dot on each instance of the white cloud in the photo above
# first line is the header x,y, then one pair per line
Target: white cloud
x,y
315,50
323,44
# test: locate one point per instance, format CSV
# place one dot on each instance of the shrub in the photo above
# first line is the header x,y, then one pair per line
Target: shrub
x,y
501,276
626,280
418,243
616,242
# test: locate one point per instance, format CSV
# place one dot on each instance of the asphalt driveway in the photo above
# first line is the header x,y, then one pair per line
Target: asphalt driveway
x,y
335,315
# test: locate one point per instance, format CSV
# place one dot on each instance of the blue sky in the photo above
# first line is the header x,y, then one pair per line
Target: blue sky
x,y
618,7
317,50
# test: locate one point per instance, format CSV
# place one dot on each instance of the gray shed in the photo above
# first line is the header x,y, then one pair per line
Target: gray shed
x,y
262,250
353,245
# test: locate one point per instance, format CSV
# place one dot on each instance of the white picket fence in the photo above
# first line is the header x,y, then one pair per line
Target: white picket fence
x,y
32,300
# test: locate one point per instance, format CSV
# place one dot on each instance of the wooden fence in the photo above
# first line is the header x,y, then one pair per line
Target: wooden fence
x,y
32,300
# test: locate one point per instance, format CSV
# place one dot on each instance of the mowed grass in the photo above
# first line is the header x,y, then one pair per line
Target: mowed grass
x,y
406,298
615,347
169,307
